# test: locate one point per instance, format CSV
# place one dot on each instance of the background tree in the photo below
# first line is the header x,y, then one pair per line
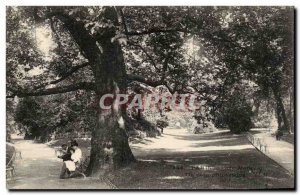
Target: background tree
x,y
256,44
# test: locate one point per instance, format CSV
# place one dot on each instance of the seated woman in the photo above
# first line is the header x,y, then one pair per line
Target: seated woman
x,y
70,164
64,153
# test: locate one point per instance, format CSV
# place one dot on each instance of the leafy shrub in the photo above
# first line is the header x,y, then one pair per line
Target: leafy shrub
x,y
238,113
162,124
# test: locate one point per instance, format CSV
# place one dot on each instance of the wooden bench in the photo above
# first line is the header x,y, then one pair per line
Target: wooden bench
x,y
80,169
18,154
10,169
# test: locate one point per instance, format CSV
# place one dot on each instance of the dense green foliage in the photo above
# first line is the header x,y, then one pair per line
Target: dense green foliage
x,y
41,117
238,113
70,56
218,47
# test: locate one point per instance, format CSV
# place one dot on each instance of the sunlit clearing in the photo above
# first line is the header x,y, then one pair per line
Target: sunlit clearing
x,y
173,177
192,48
36,71
44,40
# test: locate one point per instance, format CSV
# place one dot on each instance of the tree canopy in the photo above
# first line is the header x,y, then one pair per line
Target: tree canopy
x,y
81,53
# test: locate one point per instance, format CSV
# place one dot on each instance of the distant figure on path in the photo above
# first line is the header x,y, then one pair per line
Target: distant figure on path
x,y
162,123
278,134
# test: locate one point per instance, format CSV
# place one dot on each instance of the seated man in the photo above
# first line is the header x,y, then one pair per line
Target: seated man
x,y
65,153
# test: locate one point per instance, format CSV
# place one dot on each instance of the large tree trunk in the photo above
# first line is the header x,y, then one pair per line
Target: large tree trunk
x,y
110,148
281,115
109,144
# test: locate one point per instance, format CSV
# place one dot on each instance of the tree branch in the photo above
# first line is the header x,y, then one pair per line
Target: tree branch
x,y
56,90
155,30
165,67
131,78
134,44
86,42
146,53
55,33
124,23
199,32
65,76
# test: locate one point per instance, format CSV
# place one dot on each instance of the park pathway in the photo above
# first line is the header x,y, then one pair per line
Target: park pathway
x,y
177,159
179,141
218,160
280,151
39,168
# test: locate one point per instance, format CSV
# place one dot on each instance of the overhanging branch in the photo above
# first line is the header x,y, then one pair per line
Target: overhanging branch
x,y
134,44
65,76
131,78
86,42
199,32
155,30
56,90
55,33
145,52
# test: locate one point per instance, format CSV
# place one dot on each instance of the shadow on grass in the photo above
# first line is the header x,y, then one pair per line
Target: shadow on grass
x,y
228,166
141,141
209,136
247,169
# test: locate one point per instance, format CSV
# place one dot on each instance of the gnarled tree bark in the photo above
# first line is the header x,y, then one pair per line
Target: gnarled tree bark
x,y
281,114
109,144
